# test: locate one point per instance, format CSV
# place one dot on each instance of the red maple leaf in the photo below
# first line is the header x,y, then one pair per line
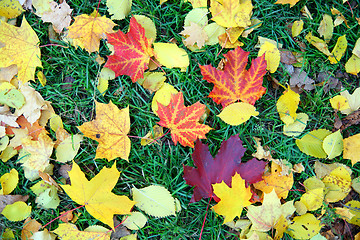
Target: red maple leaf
x,y
183,121
221,168
235,82
132,52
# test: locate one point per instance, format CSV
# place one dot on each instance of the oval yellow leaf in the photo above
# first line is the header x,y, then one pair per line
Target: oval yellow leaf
x,y
148,25
171,56
237,113
351,148
9,182
287,106
154,200
135,221
333,144
339,103
163,96
339,50
17,211
213,31
326,27
352,66
272,55
297,27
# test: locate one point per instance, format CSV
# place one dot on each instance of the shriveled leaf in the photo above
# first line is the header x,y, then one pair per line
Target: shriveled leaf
x,y
235,82
311,143
154,200
151,136
59,15
110,129
96,194
237,113
318,43
298,126
132,52
183,121
232,199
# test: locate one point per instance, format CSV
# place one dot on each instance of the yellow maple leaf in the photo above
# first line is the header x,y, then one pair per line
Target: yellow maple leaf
x,y
21,48
96,194
87,30
232,199
110,129
231,13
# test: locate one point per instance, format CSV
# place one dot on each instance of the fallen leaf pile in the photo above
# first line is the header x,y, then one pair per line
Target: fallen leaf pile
x,y
254,196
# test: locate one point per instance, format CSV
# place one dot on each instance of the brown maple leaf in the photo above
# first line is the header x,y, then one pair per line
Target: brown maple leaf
x,y
235,82
183,121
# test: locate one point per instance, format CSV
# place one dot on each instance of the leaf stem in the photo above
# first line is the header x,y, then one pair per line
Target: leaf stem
x,y
203,225
63,215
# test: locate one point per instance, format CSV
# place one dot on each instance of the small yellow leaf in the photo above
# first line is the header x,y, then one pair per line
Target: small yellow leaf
x,y
171,56
339,50
237,113
291,2
67,149
351,148
17,211
9,182
154,200
326,27
197,15
318,43
56,122
339,103
119,9
353,100
352,66
41,77
272,56
232,200
68,231
105,75
314,196
338,184
287,106
297,27
213,31
296,128
333,144
163,96
354,206
135,221
10,8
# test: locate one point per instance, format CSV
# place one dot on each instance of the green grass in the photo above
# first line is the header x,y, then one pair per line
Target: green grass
x,y
163,165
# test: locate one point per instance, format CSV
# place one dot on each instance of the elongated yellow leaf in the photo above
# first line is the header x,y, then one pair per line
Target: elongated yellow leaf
x,y
297,27
333,144
318,43
154,200
339,50
326,27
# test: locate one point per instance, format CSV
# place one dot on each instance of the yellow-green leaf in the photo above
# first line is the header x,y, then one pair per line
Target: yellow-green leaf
x,y
333,144
339,50
326,27
297,27
318,43
311,143
296,128
237,113
287,106
272,56
154,200
135,221
9,182
352,66
17,211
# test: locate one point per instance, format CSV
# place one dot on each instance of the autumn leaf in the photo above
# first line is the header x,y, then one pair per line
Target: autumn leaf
x,y
96,194
351,148
69,231
194,34
211,170
110,129
297,27
237,113
87,30
339,50
21,48
59,16
132,52
119,9
235,82
183,121
304,227
318,43
291,2
266,216
326,28
10,9
231,13
232,199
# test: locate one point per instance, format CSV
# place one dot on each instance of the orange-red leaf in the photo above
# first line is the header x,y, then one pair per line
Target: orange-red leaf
x,y
183,121
132,52
235,82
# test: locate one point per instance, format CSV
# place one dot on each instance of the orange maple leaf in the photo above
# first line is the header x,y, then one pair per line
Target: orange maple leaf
x,y
183,121
235,82
132,52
